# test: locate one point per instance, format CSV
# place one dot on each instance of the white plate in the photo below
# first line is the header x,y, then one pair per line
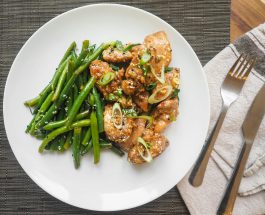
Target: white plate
x,y
114,184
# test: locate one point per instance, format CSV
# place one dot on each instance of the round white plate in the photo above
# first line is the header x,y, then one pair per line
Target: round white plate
x,y
113,184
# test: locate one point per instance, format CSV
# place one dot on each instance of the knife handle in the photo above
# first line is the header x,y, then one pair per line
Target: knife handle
x,y
227,204
198,171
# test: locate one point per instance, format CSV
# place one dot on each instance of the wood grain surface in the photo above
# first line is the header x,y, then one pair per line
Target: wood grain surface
x,y
245,15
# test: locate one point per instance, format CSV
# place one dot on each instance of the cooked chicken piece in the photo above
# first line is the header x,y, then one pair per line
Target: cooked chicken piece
x,y
119,136
138,129
113,55
156,141
160,50
135,73
126,102
173,77
141,99
135,80
164,114
98,68
128,86
137,51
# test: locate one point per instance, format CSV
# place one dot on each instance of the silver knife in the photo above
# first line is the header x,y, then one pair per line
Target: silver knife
x,y
250,128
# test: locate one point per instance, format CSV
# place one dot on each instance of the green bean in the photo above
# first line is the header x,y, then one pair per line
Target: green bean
x,y
117,150
40,136
55,145
45,105
95,136
68,140
41,97
58,73
54,108
99,110
76,146
75,92
32,102
105,145
68,52
83,53
74,56
60,123
79,100
61,130
61,142
80,82
60,84
32,123
91,100
87,137
102,145
87,148
69,102
71,68
61,115
61,139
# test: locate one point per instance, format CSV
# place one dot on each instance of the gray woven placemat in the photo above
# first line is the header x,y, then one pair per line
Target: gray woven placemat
x,y
204,23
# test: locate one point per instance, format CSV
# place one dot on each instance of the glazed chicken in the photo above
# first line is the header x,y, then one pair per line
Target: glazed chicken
x,y
114,55
157,143
98,69
113,133
145,99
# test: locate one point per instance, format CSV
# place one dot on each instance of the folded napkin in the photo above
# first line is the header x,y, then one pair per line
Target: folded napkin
x,y
251,199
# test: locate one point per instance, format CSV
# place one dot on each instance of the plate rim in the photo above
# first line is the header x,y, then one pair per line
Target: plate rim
x,y
124,207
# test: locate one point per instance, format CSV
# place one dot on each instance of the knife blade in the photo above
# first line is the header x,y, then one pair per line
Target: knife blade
x,y
254,117
250,128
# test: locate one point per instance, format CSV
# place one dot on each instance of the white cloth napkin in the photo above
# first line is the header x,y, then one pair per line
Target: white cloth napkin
x,y
205,199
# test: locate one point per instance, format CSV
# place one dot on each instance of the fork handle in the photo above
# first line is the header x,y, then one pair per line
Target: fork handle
x,y
198,171
228,201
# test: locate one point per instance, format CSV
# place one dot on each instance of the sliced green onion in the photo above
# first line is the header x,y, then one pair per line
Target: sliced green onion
x,y
145,58
129,112
106,78
168,69
145,69
147,155
175,93
151,86
119,45
111,97
119,92
148,118
115,68
172,117
153,98
117,114
161,79
129,47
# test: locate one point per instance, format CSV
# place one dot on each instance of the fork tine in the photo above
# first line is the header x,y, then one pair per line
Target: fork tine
x,y
249,69
235,64
236,73
242,71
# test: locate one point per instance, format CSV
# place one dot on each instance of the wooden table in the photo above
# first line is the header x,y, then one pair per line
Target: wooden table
x,y
245,15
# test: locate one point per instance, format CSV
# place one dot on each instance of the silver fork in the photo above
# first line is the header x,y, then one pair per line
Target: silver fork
x,y
230,90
